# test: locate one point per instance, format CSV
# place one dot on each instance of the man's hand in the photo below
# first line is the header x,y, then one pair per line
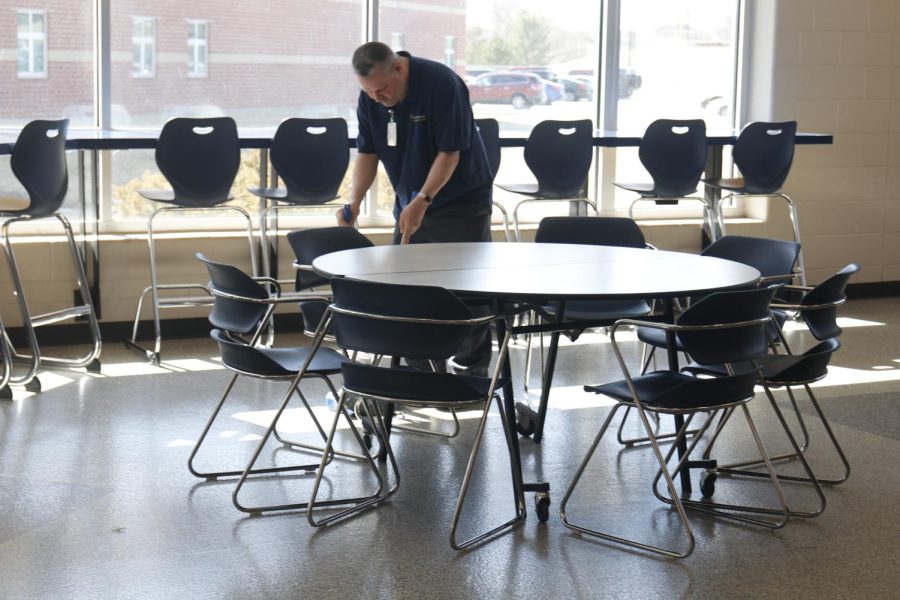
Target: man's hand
x,y
410,218
354,212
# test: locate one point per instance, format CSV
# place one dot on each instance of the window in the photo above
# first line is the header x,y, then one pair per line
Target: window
x,y
143,46
31,33
678,60
198,48
398,40
450,50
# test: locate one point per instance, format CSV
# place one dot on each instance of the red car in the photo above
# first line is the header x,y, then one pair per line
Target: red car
x,y
501,87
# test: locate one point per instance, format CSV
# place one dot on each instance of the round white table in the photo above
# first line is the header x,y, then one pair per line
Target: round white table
x,y
513,272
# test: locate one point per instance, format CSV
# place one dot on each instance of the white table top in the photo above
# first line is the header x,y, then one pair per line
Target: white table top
x,y
540,271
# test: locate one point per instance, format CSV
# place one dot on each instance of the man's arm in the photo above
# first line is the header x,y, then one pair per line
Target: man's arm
x,y
442,168
365,168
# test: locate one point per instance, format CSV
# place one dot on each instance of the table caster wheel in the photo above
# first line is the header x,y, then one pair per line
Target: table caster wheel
x,y
708,484
526,419
542,506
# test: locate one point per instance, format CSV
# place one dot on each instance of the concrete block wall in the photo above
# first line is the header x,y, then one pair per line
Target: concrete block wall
x,y
837,70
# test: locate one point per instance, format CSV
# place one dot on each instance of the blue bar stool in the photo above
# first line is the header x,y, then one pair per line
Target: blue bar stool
x,y
200,159
674,153
38,161
489,130
311,157
559,154
763,153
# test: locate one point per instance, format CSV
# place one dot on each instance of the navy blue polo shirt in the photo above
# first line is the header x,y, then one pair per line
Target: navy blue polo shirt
x,y
436,115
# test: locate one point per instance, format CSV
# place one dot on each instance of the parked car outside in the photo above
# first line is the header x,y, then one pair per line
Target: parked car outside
x,y
505,87
542,72
629,80
575,89
554,91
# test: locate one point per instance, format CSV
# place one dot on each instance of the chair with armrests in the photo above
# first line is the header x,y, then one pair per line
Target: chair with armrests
x,y
723,326
426,323
200,158
308,245
242,306
559,155
38,160
674,154
595,231
763,153
774,259
311,158
489,129
818,310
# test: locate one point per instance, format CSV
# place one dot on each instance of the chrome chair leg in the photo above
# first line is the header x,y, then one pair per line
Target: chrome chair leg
x,y
505,216
682,515
361,503
518,489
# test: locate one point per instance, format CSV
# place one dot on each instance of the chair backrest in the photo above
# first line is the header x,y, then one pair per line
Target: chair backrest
x,y
242,357
674,153
311,157
38,160
230,314
735,326
828,295
596,231
764,153
376,322
310,244
772,258
489,129
200,159
559,154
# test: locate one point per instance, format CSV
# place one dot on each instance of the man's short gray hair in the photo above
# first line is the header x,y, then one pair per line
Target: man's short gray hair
x,y
371,55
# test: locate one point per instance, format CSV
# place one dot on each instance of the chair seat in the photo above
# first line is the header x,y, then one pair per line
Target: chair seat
x,y
11,204
404,384
601,310
325,362
526,189
282,195
168,197
784,369
663,391
648,190
732,185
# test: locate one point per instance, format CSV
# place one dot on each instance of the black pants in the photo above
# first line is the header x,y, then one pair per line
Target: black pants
x,y
461,221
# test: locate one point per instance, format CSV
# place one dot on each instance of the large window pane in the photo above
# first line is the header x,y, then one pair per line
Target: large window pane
x,y
677,59
256,62
524,61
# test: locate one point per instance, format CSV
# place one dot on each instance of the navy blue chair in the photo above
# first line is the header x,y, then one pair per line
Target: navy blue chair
x,y
489,130
310,244
38,160
723,326
674,154
817,308
200,158
241,309
763,153
424,323
559,155
594,231
311,157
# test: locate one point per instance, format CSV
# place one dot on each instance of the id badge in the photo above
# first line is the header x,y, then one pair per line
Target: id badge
x,y
391,133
